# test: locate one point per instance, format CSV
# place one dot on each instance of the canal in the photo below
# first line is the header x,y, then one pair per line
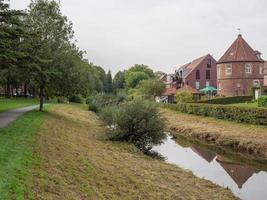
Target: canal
x,y
244,180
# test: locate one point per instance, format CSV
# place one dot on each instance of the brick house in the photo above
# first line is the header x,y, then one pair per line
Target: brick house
x,y
199,73
239,69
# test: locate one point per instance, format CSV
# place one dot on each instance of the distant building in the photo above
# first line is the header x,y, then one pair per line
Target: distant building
x,y
199,73
265,74
239,69
167,79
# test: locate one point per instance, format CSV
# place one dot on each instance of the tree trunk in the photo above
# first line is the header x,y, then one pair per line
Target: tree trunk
x,y
25,90
41,98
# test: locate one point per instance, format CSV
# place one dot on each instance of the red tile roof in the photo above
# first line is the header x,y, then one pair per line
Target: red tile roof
x,y
172,90
187,88
189,67
240,51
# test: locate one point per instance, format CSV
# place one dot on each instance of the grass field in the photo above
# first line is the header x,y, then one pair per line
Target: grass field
x,y
62,154
17,156
244,138
13,103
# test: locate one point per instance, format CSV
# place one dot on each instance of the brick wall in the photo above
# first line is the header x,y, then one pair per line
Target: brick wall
x,y
239,82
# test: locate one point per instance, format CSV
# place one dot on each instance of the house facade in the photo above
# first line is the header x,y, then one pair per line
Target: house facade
x,y
239,69
199,73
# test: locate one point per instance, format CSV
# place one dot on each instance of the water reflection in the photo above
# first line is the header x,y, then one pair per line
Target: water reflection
x,y
245,181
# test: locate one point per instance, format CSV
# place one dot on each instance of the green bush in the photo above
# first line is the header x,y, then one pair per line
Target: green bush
x,y
184,97
100,101
225,112
62,100
262,101
108,113
76,99
139,123
228,100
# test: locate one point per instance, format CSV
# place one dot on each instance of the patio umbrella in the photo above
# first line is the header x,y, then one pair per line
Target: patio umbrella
x,y
208,89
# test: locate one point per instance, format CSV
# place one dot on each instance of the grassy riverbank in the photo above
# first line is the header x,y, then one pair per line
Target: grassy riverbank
x,y
64,156
13,103
249,139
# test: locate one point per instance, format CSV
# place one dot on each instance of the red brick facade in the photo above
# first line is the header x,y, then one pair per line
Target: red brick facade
x,y
239,70
199,73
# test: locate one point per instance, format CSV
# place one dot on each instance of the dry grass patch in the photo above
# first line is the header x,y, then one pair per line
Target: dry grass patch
x,y
251,139
77,163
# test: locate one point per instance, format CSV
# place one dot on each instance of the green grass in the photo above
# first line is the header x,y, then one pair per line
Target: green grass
x,y
13,103
17,156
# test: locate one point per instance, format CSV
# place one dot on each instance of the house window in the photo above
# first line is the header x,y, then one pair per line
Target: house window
x,y
219,86
228,69
248,68
207,74
218,70
256,83
197,85
261,69
209,63
197,75
207,83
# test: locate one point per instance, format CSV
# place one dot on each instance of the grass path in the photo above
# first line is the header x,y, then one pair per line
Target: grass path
x,y
251,139
13,103
79,164
17,156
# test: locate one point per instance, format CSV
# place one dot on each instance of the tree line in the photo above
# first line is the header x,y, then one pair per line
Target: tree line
x,y
38,49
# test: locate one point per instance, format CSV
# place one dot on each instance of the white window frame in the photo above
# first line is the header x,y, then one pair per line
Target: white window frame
x,y
218,70
197,85
219,86
228,69
248,68
261,69
207,83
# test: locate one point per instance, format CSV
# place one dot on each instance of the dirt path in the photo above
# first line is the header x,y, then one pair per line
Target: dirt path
x,y
244,138
76,163
7,117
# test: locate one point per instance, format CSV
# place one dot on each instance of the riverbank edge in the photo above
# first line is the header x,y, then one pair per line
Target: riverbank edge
x,y
251,150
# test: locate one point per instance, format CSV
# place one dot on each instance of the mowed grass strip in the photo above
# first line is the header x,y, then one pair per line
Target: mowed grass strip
x,y
17,156
13,103
77,163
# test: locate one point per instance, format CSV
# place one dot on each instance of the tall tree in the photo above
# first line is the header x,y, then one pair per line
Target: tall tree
x,y
119,81
12,33
109,82
51,36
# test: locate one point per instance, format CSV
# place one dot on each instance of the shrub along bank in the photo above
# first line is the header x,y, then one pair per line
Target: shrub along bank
x,y
229,100
232,113
136,122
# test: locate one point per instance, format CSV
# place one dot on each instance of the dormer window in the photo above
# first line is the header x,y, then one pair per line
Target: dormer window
x,y
228,69
248,68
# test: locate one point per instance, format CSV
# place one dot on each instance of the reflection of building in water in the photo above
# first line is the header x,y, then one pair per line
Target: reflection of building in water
x,y
205,154
239,173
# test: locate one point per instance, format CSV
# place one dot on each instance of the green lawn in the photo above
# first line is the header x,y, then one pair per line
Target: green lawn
x,y
13,103
17,156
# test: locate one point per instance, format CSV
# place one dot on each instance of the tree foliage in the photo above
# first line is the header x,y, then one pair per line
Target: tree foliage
x,y
151,87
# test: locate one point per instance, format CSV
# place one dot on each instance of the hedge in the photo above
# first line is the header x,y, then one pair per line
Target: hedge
x,y
262,101
232,113
228,100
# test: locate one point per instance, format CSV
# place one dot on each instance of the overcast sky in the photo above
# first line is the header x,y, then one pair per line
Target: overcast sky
x,y
163,34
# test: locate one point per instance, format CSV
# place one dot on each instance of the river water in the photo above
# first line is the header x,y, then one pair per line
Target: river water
x,y
246,182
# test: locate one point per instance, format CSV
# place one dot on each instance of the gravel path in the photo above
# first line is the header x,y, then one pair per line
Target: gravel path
x,y
10,116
